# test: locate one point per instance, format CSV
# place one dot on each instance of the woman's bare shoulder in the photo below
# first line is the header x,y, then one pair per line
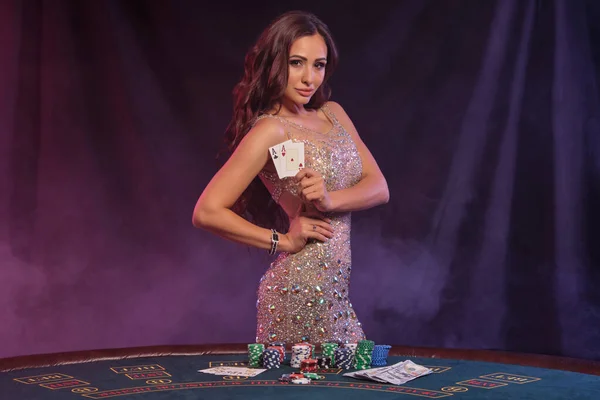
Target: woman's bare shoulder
x,y
268,129
337,109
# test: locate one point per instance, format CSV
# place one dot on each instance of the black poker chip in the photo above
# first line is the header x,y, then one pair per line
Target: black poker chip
x,y
344,358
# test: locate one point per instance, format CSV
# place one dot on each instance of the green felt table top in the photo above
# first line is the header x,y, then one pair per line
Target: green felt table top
x,y
177,377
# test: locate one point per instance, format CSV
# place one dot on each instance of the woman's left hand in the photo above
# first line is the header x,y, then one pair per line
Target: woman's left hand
x,y
312,189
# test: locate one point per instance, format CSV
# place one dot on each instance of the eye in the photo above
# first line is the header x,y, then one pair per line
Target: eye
x,y
320,65
295,63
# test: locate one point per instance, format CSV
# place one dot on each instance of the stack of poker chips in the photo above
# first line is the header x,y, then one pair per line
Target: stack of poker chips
x,y
300,352
343,358
255,351
328,350
297,379
289,377
352,347
380,354
281,347
280,350
364,354
271,358
324,362
309,365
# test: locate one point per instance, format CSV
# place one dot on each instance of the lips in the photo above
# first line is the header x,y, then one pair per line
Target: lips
x,y
305,92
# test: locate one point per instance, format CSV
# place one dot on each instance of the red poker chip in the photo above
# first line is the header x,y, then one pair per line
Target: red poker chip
x,y
309,365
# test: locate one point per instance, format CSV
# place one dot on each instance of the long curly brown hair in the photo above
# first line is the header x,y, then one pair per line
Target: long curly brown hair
x,y
261,89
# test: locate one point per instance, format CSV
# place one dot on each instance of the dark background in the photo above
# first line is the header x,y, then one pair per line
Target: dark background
x,y
483,115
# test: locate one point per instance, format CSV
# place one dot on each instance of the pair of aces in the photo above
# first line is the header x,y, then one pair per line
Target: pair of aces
x,y
288,158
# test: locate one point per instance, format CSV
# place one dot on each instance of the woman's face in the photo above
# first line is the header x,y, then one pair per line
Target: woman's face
x,y
306,66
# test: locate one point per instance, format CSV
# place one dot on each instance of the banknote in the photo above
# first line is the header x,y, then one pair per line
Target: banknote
x,y
396,374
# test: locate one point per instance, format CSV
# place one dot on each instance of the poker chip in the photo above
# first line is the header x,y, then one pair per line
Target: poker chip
x,y
380,354
351,346
285,378
309,365
281,346
300,352
328,350
364,354
324,362
313,376
279,350
301,381
343,358
255,351
365,345
271,359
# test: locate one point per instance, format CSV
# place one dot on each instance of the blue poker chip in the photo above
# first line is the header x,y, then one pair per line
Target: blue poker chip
x,y
271,359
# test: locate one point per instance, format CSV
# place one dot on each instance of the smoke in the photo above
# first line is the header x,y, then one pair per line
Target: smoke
x,y
397,286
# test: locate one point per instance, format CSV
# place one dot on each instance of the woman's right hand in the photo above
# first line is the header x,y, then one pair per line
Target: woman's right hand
x,y
303,227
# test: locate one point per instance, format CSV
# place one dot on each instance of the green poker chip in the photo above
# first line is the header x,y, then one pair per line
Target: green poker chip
x,y
328,350
255,351
314,376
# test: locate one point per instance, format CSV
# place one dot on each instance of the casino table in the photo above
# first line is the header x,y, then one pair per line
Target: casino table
x,y
171,372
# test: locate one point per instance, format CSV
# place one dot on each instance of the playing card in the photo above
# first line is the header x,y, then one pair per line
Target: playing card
x,y
292,159
277,154
288,158
235,371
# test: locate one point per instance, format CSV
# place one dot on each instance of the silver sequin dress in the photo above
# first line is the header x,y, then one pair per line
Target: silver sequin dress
x,y
305,296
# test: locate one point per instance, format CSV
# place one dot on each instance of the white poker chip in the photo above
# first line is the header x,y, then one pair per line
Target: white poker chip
x,y
301,381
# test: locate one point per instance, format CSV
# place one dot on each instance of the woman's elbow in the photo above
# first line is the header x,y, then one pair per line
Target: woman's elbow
x,y
384,193
198,220
201,217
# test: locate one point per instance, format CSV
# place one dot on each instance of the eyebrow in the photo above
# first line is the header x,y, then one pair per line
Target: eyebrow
x,y
306,59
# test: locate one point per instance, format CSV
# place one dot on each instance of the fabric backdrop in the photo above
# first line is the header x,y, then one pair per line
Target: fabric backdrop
x,y
483,115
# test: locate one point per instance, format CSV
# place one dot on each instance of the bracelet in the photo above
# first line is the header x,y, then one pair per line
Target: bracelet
x,y
274,241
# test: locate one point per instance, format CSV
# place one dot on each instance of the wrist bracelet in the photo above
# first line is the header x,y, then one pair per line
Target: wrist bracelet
x,y
274,241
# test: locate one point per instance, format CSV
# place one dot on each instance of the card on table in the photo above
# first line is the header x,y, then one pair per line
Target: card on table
x,y
235,371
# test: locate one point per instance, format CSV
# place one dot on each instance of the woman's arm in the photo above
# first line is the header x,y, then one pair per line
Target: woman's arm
x,y
372,190
213,209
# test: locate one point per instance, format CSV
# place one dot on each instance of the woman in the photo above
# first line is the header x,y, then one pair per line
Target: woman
x,y
303,296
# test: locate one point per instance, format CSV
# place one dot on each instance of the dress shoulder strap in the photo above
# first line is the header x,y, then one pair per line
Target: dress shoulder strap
x,y
327,111
261,116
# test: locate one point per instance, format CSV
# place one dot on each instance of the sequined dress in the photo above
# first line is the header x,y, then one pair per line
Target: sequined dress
x,y
305,296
